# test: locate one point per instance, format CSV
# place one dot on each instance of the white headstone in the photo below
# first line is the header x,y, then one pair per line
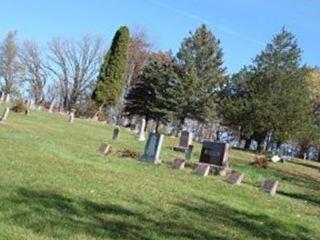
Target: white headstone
x,y
51,107
2,97
141,136
7,98
275,158
71,117
5,115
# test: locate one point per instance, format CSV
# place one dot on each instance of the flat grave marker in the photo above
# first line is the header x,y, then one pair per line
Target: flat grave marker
x,y
178,163
235,178
202,169
270,186
104,148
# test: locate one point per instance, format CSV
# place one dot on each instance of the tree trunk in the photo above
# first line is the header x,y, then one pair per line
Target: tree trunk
x,y
179,127
157,126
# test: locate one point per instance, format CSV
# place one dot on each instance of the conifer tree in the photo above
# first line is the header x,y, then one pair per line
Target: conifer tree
x,y
111,79
201,58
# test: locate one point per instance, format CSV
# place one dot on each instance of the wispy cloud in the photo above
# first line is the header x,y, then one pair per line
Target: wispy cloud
x,y
198,18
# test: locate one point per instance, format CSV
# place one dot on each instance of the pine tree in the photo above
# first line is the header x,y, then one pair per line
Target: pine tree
x,y
276,96
111,79
201,58
153,96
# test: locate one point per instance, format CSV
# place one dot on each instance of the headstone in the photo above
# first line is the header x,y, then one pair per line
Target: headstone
x,y
116,134
242,144
71,117
141,130
2,97
153,148
270,186
51,107
285,158
7,98
235,178
5,115
133,127
178,163
202,169
215,153
189,153
185,141
275,158
104,148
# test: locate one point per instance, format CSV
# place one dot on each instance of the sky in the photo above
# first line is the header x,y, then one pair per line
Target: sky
x,y
244,27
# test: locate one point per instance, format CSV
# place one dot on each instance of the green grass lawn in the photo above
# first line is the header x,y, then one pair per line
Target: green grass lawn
x,y
54,184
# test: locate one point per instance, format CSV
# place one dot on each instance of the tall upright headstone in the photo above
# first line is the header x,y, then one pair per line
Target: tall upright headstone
x,y
5,115
116,134
189,153
51,107
141,136
7,100
2,96
153,148
71,117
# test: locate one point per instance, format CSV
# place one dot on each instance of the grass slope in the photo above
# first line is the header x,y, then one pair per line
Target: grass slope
x,y
55,185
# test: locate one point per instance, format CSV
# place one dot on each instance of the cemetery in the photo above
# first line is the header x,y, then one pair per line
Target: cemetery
x,y
139,195
160,120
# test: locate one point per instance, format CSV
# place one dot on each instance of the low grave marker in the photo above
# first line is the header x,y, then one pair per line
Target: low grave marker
x,y
116,134
104,148
270,186
178,163
189,153
235,178
202,169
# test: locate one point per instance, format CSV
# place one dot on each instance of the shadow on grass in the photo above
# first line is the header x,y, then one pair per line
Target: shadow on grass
x,y
254,225
306,164
303,197
53,215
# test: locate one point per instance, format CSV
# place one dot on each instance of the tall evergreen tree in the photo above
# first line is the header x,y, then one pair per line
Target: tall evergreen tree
x,y
276,93
153,96
201,58
111,79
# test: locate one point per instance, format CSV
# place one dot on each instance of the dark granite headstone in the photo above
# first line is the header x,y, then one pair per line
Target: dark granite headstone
x,y
235,178
215,153
178,163
270,186
153,148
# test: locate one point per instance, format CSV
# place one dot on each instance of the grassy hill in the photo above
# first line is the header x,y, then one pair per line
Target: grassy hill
x,y
54,184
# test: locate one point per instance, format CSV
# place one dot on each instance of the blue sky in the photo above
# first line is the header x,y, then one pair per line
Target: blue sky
x,y
243,26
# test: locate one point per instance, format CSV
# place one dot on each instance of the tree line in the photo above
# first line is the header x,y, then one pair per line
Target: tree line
x,y
275,95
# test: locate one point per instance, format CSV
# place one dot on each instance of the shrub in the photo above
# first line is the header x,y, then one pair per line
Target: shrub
x,y
260,162
19,107
127,153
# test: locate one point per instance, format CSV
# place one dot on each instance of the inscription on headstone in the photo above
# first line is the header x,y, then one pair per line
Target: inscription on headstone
x,y
116,134
215,153
178,163
5,115
153,148
104,148
270,186
235,178
202,169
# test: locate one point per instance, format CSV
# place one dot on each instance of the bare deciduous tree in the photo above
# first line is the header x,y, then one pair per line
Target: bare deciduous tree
x,y
35,72
10,67
75,65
